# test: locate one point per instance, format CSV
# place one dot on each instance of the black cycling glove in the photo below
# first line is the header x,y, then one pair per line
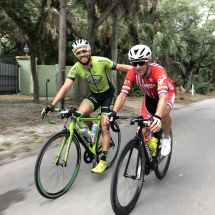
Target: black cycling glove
x,y
49,108
112,114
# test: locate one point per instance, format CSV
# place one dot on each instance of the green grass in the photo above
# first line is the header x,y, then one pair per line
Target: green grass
x,y
23,118
1,127
17,130
27,149
7,143
20,101
36,136
1,149
31,132
13,155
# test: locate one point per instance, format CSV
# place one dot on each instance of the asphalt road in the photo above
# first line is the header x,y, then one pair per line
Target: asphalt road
x,y
188,188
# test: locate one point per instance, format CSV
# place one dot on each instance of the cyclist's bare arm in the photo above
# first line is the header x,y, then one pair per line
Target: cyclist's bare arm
x,y
61,94
63,91
123,67
161,104
117,106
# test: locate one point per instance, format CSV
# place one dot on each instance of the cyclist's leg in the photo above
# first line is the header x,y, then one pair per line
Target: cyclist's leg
x,y
166,119
88,105
106,107
148,111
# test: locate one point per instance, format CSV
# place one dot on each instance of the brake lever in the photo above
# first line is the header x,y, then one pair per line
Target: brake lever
x,y
44,113
108,125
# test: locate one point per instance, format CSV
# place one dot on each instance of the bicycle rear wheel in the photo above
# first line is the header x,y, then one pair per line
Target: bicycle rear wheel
x,y
114,145
125,184
163,161
53,180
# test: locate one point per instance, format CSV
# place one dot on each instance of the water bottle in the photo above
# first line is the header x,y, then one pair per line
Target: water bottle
x,y
85,133
152,144
93,132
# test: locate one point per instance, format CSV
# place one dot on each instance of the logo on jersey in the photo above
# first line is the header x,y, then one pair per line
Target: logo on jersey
x,y
73,70
150,80
149,86
161,79
127,81
95,79
104,61
93,72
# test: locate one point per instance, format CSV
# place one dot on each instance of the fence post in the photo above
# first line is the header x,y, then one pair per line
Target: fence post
x,y
47,89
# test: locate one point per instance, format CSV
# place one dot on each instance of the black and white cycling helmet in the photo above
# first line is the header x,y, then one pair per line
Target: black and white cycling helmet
x,y
139,52
80,43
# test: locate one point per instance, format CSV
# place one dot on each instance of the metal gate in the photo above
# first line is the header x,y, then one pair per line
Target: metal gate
x,y
9,75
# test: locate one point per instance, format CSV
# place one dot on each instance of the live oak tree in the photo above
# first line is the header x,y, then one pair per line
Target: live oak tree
x,y
29,16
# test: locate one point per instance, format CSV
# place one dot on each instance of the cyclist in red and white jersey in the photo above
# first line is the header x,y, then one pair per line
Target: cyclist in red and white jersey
x,y
159,93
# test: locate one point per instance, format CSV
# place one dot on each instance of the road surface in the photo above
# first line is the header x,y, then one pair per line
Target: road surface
x,y
187,189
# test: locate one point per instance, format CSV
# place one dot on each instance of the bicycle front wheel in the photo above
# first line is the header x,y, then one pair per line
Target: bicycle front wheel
x,y
54,179
115,140
163,161
126,184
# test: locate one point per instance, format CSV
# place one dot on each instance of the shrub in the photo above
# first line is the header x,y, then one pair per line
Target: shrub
x,y
202,88
178,81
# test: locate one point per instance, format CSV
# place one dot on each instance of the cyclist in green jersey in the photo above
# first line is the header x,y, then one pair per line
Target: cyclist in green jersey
x,y
93,70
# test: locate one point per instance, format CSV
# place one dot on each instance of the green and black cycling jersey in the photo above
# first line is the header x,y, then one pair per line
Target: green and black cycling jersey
x,y
97,77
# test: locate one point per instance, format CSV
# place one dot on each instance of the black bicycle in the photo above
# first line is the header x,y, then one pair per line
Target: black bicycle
x,y
133,163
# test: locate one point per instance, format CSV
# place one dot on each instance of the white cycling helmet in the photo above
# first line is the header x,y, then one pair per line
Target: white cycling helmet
x,y
139,52
80,43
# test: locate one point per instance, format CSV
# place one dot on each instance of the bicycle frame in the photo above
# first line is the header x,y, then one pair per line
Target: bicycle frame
x,y
73,129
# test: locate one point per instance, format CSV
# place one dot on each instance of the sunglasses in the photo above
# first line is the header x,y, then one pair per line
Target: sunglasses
x,y
81,52
140,63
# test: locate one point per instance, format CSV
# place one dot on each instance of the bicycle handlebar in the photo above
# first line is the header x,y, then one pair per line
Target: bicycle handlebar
x,y
66,113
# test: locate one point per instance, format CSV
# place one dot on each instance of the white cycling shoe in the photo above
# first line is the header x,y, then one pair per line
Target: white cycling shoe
x,y
166,146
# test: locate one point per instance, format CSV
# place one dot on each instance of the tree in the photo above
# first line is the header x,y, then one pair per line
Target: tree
x,y
29,17
62,47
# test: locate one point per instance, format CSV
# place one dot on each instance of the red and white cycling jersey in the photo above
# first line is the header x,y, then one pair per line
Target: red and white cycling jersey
x,y
154,83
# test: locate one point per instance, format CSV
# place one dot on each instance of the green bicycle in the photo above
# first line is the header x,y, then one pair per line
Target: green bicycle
x,y
59,159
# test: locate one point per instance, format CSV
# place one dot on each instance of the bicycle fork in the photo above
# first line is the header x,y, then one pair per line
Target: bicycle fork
x,y
126,175
64,163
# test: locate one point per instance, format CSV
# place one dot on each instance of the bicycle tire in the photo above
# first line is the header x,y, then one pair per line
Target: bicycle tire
x,y
119,198
58,179
114,145
161,169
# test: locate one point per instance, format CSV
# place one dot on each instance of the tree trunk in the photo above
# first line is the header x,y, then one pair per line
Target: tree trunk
x,y
91,33
188,79
114,47
83,88
32,47
42,52
147,6
164,60
62,48
137,27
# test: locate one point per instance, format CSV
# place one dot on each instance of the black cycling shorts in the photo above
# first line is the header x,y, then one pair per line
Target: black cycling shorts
x,y
106,100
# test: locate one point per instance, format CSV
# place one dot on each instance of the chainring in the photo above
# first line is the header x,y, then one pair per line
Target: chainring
x,y
87,158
